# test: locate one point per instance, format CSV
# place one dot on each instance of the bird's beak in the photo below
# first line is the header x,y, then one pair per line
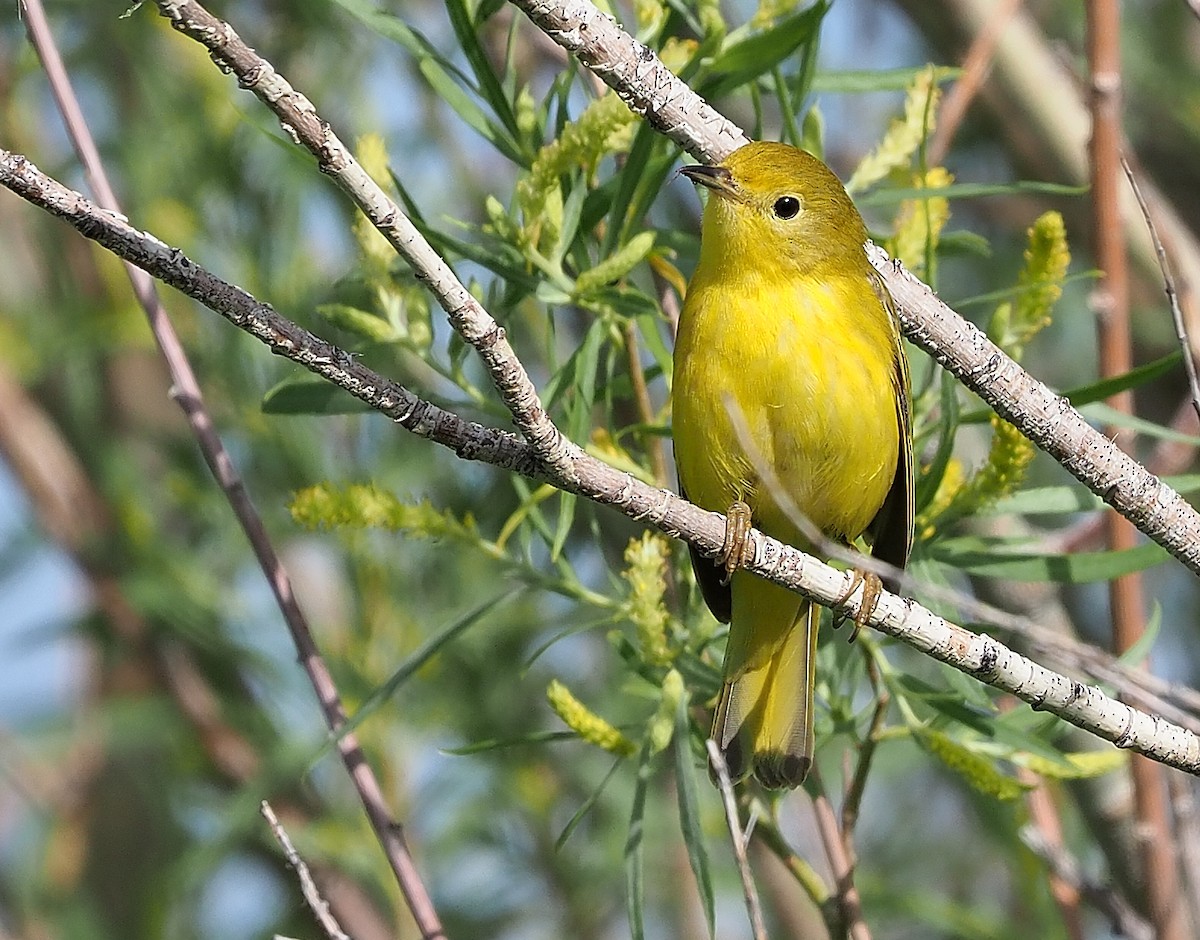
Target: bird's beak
x,y
715,178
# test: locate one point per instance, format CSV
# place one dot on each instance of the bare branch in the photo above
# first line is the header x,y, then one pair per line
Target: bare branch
x,y
1125,921
725,785
308,887
841,863
304,125
981,656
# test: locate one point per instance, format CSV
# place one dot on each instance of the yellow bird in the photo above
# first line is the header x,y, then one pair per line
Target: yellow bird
x,y
788,359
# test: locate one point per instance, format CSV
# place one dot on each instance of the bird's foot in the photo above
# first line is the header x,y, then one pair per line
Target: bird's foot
x,y
737,549
872,587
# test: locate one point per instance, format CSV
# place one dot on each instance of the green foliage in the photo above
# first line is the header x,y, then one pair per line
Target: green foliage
x,y
451,601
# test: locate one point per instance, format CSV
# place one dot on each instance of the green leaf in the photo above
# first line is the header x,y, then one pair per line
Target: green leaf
x,y
465,107
467,33
1105,414
978,557
857,82
616,265
1105,388
499,744
745,60
360,322
304,395
889,197
689,811
443,76
931,475
947,702
1046,500
1137,654
586,806
635,855
1134,378
1077,765
425,652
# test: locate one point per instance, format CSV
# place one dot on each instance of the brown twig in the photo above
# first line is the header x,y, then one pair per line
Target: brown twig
x,y
975,68
641,395
1182,790
308,887
857,784
1111,302
1046,821
186,392
729,801
1125,921
840,863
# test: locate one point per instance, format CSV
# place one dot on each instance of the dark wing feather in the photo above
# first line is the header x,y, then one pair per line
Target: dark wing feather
x,y
892,528
710,575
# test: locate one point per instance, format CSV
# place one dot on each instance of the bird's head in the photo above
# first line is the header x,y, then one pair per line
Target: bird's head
x,y
776,206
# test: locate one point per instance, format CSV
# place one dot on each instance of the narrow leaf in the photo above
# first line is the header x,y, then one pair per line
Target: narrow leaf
x,y
585,808
309,396
689,810
635,854
1077,568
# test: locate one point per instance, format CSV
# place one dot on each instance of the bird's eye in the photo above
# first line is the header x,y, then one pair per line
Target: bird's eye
x,y
786,207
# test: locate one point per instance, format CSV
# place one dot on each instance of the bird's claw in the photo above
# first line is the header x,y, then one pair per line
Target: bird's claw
x,y
872,587
737,549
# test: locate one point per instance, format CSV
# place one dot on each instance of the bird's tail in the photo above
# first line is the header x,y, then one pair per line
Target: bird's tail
x,y
764,717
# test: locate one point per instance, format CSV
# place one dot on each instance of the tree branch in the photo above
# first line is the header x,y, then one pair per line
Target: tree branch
x,y
981,656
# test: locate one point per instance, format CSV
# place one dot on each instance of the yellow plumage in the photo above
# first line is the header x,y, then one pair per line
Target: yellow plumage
x,y
788,357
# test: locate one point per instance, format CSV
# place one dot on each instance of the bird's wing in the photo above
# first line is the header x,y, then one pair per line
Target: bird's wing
x,y
892,528
711,578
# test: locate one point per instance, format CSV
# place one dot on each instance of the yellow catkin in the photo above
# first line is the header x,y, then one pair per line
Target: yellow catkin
x,y
661,727
1047,258
605,126
645,572
586,723
919,222
904,135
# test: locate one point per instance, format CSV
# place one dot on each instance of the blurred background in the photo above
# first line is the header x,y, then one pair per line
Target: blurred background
x,y
149,694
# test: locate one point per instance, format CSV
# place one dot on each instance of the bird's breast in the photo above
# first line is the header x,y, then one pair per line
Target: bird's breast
x,y
794,382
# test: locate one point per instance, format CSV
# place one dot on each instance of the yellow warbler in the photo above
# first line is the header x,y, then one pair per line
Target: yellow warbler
x,y
788,359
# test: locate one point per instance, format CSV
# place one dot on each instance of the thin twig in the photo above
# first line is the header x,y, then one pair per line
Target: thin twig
x,y
1185,345
725,785
975,68
1125,920
980,656
1046,820
767,833
1182,790
857,784
840,863
308,887
186,392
